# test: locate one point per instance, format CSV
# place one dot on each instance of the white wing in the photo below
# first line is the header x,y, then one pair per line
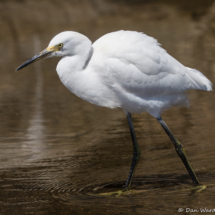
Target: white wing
x,y
135,62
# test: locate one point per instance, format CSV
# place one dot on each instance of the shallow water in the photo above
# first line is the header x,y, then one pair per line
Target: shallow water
x,y
59,153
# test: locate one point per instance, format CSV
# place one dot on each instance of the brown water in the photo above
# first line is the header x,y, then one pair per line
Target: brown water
x,y
59,152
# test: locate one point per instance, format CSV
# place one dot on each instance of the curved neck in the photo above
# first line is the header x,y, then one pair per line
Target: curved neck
x,y
79,62
90,54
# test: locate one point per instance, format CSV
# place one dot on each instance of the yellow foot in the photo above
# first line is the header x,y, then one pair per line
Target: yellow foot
x,y
199,188
116,193
123,192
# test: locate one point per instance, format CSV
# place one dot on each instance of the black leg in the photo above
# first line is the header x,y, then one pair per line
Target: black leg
x,y
180,150
136,152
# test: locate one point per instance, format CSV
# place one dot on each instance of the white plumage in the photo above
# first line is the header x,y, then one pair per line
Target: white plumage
x,y
129,70
125,69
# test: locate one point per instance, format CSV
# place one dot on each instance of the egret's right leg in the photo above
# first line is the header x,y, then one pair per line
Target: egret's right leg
x,y
180,151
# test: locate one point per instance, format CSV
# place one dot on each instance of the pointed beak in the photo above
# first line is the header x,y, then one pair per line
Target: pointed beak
x,y
43,54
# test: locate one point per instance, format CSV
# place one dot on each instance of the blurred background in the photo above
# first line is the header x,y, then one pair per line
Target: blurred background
x,y
58,152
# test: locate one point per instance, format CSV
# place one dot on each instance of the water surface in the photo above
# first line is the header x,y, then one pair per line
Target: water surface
x,y
59,152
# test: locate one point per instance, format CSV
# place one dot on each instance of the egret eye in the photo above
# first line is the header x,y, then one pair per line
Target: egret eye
x,y
60,45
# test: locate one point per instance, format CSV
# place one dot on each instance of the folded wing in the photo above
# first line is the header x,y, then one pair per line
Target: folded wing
x,y
136,63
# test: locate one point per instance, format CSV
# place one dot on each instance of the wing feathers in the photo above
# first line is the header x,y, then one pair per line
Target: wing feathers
x,y
199,80
140,66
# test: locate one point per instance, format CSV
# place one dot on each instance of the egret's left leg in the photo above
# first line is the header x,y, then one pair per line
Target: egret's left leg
x,y
136,150
135,159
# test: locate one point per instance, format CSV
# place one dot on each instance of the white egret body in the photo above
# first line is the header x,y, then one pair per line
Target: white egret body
x,y
125,69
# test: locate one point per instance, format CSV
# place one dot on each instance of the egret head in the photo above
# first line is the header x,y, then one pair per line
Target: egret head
x,y
67,43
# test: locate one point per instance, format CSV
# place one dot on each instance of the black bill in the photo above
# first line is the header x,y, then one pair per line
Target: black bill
x,y
37,57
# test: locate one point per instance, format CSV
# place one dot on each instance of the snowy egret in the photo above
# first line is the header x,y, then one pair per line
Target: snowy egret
x,y
129,70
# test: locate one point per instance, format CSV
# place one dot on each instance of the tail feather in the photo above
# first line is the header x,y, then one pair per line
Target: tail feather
x,y
199,81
